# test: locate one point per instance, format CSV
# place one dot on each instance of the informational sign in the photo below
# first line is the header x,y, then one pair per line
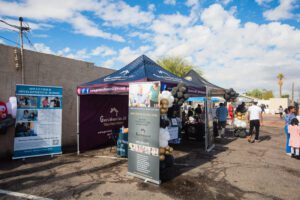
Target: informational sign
x,y
144,119
38,122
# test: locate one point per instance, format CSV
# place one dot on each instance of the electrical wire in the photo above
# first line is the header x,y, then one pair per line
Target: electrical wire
x,y
9,29
30,43
9,40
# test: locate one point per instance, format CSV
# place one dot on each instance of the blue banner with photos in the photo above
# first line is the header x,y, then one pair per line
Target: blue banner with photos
x,y
38,126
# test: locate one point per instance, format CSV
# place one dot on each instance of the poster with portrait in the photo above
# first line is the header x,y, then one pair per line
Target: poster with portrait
x,y
143,121
38,125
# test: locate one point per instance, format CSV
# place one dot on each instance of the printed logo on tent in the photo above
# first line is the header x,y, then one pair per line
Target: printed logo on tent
x,y
113,118
114,110
166,76
188,78
123,75
85,91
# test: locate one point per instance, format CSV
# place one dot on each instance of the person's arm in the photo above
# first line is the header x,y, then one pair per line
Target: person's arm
x,y
248,117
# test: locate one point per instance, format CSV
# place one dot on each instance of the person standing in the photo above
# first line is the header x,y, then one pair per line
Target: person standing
x,y
263,107
294,131
255,120
280,109
198,110
222,113
288,119
190,112
230,112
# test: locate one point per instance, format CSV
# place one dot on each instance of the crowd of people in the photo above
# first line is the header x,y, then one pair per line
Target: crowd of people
x,y
292,131
255,121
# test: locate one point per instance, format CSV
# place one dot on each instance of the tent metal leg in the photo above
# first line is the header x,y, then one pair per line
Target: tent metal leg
x,y
78,103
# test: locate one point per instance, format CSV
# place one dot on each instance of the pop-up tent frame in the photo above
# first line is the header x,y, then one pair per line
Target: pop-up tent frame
x,y
211,90
114,87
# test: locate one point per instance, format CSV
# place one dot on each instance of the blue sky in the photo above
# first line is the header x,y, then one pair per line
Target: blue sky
x,y
241,44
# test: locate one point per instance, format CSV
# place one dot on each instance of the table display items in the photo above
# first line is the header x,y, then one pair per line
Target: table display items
x,y
122,143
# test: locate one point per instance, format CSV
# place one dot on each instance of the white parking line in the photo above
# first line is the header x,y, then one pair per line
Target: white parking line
x,y
22,195
111,157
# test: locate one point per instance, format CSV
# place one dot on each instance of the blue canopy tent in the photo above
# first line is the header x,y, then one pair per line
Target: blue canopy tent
x,y
140,70
202,99
211,90
98,100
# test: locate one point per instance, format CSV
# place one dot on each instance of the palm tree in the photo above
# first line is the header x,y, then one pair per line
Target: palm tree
x,y
280,78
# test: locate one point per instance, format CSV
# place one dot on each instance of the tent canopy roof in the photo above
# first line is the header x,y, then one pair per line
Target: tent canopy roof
x,y
194,77
141,69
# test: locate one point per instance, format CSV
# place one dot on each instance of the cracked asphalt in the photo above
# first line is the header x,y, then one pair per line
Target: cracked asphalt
x,y
235,169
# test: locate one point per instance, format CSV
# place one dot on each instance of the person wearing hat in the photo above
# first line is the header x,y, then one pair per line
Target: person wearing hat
x,y
255,120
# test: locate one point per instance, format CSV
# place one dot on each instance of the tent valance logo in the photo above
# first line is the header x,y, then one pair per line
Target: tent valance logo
x,y
83,90
123,75
166,76
115,111
188,78
113,119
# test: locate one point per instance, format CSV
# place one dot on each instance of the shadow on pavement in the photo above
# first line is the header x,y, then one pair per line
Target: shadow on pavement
x,y
35,180
33,169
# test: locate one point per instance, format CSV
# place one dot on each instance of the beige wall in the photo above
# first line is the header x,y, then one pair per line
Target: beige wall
x,y
45,69
276,102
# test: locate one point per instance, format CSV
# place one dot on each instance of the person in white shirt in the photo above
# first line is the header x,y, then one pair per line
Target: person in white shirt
x,y
255,120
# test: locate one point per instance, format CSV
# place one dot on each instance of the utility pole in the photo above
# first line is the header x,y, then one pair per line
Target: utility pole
x,y
21,48
21,29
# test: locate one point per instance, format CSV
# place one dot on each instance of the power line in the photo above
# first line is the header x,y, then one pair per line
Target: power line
x,y
30,43
9,40
9,29
22,28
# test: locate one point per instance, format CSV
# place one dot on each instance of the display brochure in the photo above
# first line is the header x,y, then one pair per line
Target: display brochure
x,y
143,121
38,126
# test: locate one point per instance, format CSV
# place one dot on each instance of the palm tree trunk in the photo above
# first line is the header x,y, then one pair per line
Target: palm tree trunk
x,y
280,91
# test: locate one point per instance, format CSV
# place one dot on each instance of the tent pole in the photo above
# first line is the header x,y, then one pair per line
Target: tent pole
x,y
206,119
78,102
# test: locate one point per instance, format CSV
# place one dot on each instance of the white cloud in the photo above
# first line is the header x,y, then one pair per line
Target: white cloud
x,y
121,14
2,41
84,26
217,18
64,51
283,11
192,3
141,35
108,12
242,56
125,56
81,54
33,26
40,47
170,2
225,2
261,2
103,51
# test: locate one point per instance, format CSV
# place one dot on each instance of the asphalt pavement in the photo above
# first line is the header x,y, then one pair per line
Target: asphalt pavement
x,y
235,169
